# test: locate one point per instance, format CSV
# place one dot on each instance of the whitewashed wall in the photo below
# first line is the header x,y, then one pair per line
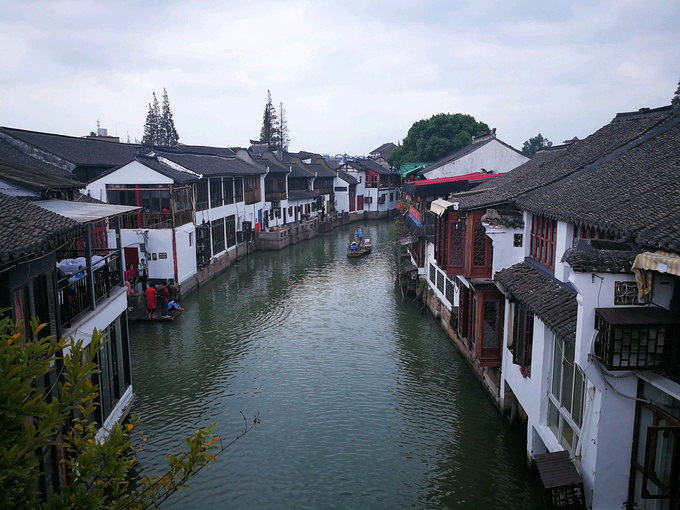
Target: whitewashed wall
x,y
493,157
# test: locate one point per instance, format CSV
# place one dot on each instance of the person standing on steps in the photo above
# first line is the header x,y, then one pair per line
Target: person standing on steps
x,y
151,296
143,273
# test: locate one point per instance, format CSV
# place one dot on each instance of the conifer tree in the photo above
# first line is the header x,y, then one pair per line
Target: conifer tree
x,y
284,136
167,131
676,97
269,132
152,126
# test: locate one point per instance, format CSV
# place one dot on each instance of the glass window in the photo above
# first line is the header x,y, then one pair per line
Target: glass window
x,y
217,228
567,396
543,237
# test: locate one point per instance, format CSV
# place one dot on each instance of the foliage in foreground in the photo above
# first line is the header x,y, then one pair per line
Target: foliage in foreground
x,y
100,474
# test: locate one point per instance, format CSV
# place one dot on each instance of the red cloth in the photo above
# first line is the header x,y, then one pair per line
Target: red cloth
x,y
150,295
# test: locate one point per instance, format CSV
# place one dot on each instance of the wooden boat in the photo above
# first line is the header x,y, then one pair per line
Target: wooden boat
x,y
356,250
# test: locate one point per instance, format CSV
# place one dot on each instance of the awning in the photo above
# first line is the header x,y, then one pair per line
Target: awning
x,y
440,206
647,262
84,212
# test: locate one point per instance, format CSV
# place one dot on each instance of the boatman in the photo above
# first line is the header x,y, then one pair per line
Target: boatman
x,y
360,236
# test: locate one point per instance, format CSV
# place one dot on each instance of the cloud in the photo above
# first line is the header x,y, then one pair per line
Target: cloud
x,y
351,74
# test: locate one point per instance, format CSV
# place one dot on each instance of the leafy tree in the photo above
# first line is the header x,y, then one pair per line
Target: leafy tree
x,y
152,125
676,97
437,137
33,416
535,144
168,133
284,135
269,133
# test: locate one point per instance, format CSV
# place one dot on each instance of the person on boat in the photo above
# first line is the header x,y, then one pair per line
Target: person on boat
x,y
354,246
174,305
360,235
151,296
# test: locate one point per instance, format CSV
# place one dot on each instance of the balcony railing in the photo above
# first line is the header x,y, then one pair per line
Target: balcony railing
x,y
78,292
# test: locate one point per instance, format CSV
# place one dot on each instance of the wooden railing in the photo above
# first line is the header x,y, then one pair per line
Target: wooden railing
x,y
78,293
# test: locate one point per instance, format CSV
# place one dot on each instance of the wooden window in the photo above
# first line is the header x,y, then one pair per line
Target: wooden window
x,y
217,229
228,187
238,189
456,244
543,239
655,472
522,338
216,192
202,201
231,230
584,232
479,249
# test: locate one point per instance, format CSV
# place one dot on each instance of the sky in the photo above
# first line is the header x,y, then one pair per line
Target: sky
x,y
351,74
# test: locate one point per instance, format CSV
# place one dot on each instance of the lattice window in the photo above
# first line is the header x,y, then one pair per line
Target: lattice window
x,y
450,291
217,228
440,281
625,293
517,240
479,245
543,238
491,318
456,243
433,274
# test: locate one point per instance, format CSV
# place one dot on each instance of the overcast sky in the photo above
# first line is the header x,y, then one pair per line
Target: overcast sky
x,y
351,74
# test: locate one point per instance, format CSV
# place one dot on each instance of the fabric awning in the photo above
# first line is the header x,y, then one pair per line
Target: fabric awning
x,y
646,263
440,206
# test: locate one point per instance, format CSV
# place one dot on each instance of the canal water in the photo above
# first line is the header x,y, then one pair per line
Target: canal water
x,y
363,400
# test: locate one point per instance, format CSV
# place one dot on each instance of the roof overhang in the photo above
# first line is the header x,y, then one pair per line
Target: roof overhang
x,y
84,212
440,206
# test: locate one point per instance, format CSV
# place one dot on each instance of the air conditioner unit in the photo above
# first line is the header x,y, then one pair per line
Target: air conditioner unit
x,y
368,200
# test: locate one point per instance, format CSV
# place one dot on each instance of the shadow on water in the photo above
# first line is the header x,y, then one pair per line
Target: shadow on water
x,y
364,402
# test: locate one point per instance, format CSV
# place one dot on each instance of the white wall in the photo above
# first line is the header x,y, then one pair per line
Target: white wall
x,y
505,254
132,173
493,157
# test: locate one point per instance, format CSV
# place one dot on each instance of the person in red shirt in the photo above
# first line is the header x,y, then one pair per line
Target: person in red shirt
x,y
151,296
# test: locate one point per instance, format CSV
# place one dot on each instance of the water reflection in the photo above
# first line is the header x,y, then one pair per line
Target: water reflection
x,y
364,402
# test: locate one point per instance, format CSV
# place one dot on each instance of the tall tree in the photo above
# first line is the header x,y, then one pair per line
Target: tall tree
x,y
35,417
152,125
167,131
534,144
269,132
434,138
284,135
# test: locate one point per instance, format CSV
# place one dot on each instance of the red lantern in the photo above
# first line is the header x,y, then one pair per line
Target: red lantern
x,y
399,205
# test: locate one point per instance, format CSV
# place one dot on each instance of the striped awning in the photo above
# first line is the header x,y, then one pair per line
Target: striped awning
x,y
646,263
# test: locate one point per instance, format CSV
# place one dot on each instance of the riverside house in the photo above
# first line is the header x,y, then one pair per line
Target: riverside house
x,y
574,324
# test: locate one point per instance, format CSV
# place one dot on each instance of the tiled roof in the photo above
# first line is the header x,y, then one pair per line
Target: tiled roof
x,y
320,170
368,164
554,305
301,194
79,151
635,195
28,231
548,167
212,165
595,256
11,153
35,179
299,171
349,179
225,152
274,167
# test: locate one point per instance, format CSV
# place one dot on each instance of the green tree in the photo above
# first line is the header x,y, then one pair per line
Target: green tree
x,y
35,416
152,125
535,144
269,133
437,137
168,135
